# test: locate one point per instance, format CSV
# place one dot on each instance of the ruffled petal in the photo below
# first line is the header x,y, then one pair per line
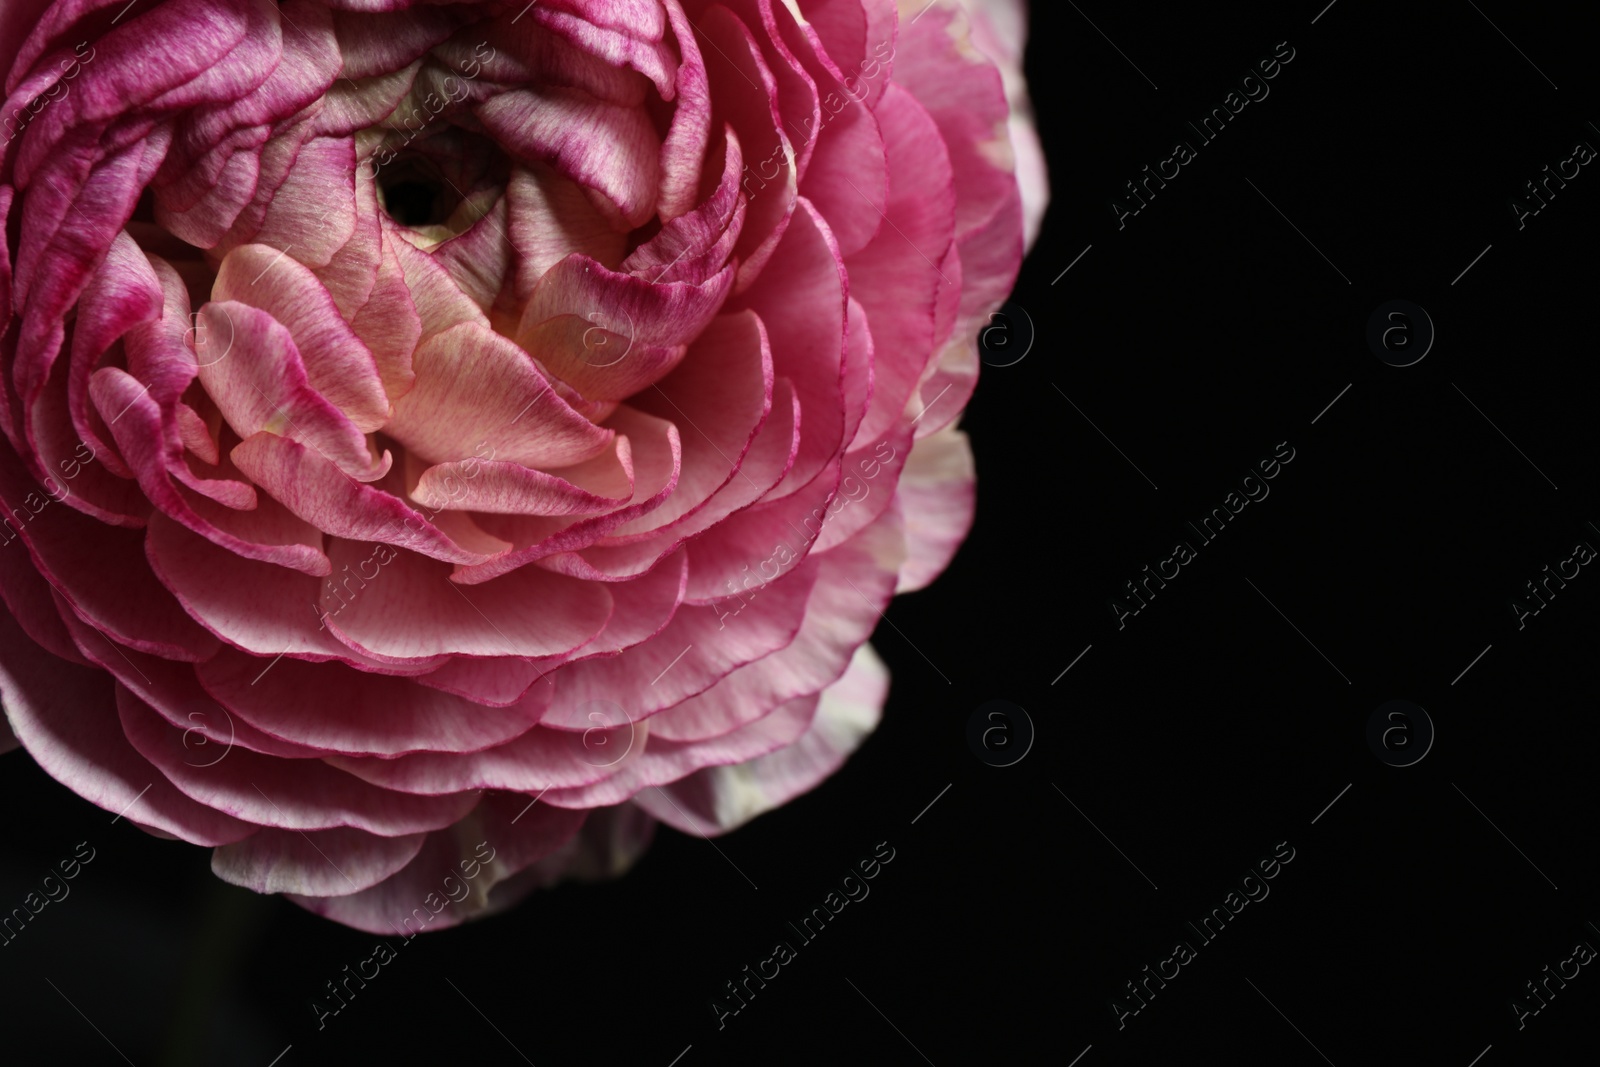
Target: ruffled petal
x,y
938,497
504,837
334,709
714,800
64,716
320,863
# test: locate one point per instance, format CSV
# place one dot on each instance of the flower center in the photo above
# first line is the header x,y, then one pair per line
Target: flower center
x,y
414,193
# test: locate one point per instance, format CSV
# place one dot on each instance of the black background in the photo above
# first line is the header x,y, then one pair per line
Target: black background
x,y
1213,726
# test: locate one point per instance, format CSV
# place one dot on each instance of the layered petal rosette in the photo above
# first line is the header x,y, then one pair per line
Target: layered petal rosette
x,y
457,436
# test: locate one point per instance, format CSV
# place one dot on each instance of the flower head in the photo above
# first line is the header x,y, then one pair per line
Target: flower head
x,y
484,426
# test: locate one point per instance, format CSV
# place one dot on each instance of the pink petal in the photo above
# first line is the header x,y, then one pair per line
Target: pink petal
x,y
337,364
657,456
319,493
260,382
100,571
538,759
526,52
596,357
642,608
598,485
948,383
339,710
641,310
962,92
854,584
322,863
714,800
479,259
388,322
796,91
366,281
31,601
550,218
474,385
178,51
609,148
770,457
156,453
721,397
1000,30
849,176
684,147
374,43
196,435
313,212
64,458
405,606
64,716
455,876
16,20
667,761
637,18
898,278
701,645
694,245
50,274
206,729
301,795
438,302
122,293
860,36
801,301
763,541
628,34
868,486
858,374
743,96
938,500
255,607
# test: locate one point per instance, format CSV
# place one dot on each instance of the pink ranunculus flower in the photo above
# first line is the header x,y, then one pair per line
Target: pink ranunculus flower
x,y
456,436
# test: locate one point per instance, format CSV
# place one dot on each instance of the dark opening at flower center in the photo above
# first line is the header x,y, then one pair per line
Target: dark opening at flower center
x,y
412,203
415,194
